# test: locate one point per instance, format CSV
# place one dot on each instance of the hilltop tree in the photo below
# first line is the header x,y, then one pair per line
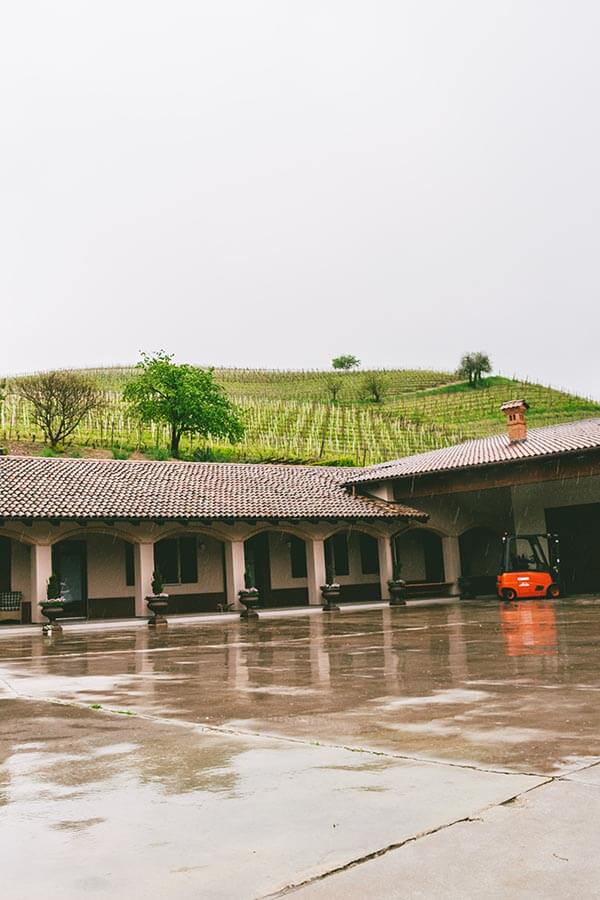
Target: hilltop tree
x,y
345,362
60,401
473,366
184,397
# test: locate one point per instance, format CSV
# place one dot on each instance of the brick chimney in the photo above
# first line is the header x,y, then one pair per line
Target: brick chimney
x,y
516,423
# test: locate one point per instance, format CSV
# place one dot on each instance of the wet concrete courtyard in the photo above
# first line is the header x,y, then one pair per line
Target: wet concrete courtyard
x,y
442,749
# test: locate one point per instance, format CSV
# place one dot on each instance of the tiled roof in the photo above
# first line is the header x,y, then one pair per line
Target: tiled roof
x,y
99,488
552,440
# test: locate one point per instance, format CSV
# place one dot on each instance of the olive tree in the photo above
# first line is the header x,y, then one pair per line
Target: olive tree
x,y
59,401
473,366
184,397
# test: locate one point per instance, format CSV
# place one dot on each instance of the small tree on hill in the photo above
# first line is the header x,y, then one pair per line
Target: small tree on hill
x,y
334,386
184,397
59,400
374,387
346,362
473,366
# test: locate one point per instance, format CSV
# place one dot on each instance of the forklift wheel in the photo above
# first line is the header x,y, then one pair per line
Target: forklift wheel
x,y
509,594
553,592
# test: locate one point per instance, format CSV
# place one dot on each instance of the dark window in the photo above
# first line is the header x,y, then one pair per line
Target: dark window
x,y
336,546
129,564
188,560
166,560
298,557
4,564
369,555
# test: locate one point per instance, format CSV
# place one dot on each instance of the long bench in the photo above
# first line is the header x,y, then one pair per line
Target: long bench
x,y
11,606
428,588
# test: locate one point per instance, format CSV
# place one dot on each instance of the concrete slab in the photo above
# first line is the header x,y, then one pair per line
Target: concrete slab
x,y
542,845
229,759
120,806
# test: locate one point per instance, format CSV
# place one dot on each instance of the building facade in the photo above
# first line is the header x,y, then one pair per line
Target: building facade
x,y
105,526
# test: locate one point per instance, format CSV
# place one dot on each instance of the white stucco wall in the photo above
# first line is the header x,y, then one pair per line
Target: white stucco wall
x,y
106,567
20,568
356,576
281,565
531,500
412,556
210,570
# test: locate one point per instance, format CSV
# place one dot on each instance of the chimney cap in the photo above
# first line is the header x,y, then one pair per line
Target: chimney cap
x,y
514,404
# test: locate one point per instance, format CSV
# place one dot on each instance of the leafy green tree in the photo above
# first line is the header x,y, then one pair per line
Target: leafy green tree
x,y
184,397
59,402
473,366
374,387
334,386
345,362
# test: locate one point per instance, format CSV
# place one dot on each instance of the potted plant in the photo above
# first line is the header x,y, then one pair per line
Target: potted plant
x,y
54,604
396,585
158,602
249,595
330,591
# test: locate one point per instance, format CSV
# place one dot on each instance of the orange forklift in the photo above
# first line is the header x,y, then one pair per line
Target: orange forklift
x,y
530,567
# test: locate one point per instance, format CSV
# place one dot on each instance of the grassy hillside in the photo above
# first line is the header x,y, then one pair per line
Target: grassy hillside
x,y
290,416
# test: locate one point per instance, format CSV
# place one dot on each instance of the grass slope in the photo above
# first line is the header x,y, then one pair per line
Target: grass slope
x,y
289,416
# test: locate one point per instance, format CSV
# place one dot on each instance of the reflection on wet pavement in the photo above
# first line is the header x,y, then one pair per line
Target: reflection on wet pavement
x,y
491,684
171,758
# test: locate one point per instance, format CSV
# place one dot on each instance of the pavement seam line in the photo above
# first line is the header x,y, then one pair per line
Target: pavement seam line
x,y
236,732
375,854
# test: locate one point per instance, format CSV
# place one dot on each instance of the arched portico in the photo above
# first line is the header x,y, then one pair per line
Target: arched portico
x,y
276,563
101,573
420,552
352,559
15,579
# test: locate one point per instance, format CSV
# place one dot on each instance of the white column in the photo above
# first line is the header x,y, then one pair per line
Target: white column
x,y
235,566
143,556
386,568
315,565
451,551
41,570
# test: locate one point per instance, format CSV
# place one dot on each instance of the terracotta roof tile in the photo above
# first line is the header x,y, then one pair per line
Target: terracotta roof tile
x,y
34,487
552,440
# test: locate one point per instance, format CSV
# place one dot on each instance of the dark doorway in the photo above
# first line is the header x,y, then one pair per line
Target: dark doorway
x,y
578,528
480,557
258,564
5,555
434,557
69,561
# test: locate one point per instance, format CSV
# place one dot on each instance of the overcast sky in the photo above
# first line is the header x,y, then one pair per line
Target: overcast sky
x,y
269,183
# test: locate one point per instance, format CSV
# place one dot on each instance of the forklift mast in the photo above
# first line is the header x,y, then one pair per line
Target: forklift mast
x,y
531,553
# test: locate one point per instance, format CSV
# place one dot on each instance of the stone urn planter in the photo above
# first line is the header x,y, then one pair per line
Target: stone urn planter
x,y
250,599
158,604
51,610
158,601
397,589
330,594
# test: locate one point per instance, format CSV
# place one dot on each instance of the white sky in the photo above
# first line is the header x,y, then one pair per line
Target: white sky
x,y
269,183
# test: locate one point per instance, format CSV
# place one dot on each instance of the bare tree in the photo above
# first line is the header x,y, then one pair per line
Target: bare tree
x,y
59,400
